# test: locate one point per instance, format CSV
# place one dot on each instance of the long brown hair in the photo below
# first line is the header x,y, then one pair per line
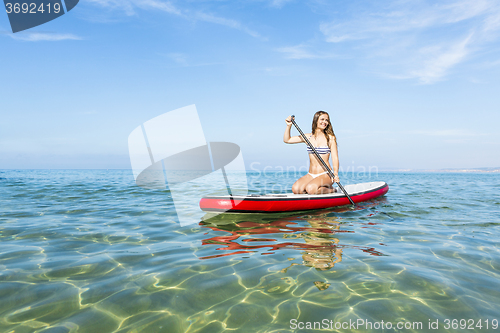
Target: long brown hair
x,y
328,130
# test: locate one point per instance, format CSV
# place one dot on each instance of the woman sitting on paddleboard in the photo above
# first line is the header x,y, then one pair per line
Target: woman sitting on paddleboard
x,y
317,181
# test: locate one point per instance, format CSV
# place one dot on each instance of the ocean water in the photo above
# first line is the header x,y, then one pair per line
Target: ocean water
x,y
89,251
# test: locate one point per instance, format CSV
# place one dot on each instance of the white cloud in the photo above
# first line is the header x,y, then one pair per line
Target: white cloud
x,y
166,7
124,5
39,36
301,52
413,39
226,22
437,60
408,16
129,8
279,3
179,58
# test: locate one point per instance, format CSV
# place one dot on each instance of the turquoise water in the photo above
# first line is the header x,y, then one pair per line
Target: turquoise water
x,y
89,251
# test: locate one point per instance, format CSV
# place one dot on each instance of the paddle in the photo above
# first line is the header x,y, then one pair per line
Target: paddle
x,y
321,160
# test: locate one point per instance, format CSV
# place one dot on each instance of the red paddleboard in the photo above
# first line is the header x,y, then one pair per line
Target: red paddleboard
x,y
289,202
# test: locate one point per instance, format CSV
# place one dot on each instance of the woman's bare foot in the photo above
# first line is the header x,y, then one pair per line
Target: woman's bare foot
x,y
326,190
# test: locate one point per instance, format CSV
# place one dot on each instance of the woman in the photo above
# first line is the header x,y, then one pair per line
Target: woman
x,y
317,181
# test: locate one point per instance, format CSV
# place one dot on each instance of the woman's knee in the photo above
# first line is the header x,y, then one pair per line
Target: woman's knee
x,y
296,188
311,189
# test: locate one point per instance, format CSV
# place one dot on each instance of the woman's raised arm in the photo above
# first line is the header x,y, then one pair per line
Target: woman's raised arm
x,y
286,137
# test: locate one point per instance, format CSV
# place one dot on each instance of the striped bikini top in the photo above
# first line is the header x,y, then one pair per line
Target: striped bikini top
x,y
321,150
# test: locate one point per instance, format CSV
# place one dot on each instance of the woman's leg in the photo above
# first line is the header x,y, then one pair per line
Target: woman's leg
x,y
320,185
300,185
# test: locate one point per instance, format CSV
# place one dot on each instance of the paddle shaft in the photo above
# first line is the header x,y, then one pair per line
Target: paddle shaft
x,y
321,160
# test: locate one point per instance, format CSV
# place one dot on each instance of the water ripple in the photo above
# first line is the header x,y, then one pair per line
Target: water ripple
x,y
88,251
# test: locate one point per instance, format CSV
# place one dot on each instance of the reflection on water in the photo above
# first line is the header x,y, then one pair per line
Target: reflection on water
x,y
316,237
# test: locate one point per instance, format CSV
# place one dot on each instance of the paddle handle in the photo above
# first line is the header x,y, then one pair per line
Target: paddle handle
x,y
321,160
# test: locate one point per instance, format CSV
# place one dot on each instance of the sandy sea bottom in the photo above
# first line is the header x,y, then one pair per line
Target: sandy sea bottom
x,y
89,251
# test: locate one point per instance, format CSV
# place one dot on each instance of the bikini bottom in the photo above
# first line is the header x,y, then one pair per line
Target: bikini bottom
x,y
314,175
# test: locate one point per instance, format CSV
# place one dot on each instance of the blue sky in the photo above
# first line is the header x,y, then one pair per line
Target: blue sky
x,y
408,84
